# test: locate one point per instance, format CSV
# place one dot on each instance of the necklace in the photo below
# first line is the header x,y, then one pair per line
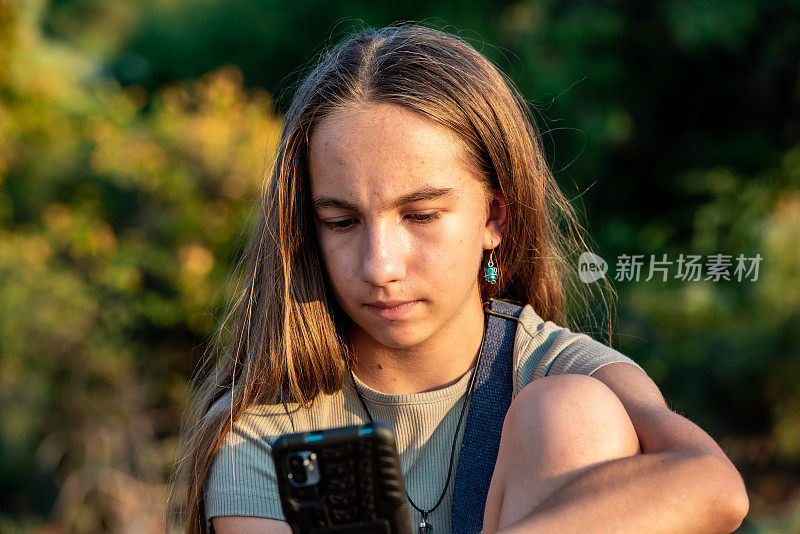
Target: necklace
x,y
424,526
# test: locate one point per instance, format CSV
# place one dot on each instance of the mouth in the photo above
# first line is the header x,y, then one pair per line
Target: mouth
x,y
392,309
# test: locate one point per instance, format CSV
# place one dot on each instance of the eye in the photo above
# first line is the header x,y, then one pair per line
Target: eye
x,y
340,226
425,217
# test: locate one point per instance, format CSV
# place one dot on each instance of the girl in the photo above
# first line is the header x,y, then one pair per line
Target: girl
x,y
407,164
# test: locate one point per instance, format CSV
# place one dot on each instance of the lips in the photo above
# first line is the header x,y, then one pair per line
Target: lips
x,y
392,309
388,303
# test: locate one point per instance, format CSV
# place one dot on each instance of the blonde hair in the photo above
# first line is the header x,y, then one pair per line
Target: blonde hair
x,y
286,338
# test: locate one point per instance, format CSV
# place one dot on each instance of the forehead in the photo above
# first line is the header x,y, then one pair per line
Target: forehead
x,y
381,151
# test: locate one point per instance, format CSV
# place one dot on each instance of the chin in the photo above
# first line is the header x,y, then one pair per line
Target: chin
x,y
399,335
396,336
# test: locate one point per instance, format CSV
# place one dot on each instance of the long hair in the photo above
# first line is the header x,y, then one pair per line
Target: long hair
x,y
283,336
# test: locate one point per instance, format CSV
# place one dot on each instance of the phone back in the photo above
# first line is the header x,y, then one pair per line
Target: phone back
x,y
345,479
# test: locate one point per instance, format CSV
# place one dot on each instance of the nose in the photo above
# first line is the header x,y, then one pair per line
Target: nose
x,y
383,261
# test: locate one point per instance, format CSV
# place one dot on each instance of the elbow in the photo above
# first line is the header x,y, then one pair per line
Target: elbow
x,y
739,503
729,501
735,511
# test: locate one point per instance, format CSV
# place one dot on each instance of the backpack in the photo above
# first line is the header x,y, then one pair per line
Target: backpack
x,y
491,399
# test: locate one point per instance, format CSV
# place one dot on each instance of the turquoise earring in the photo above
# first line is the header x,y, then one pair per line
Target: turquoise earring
x,y
490,273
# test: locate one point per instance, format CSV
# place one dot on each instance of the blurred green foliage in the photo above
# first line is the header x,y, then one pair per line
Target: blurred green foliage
x,y
132,141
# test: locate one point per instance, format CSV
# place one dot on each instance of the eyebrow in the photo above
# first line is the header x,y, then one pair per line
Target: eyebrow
x,y
423,193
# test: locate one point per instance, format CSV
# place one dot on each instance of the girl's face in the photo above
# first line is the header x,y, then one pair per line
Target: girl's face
x,y
401,224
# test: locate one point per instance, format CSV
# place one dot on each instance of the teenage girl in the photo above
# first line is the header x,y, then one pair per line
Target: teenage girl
x,y
407,165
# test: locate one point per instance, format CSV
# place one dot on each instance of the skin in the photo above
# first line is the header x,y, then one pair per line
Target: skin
x,y
577,453
429,251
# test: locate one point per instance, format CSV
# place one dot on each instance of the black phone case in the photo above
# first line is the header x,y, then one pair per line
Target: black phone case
x,y
360,484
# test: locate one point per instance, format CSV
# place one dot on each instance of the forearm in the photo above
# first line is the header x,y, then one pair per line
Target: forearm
x,y
665,492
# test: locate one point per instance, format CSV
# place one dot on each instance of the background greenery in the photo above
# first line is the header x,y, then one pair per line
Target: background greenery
x,y
133,136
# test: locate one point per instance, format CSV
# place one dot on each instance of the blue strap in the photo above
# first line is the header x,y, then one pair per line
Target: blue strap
x,y
490,401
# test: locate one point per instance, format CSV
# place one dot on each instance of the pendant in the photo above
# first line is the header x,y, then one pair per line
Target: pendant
x,y
425,527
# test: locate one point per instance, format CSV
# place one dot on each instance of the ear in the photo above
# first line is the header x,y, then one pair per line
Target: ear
x,y
496,221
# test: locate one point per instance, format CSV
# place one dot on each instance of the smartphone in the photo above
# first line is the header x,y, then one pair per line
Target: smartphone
x,y
342,480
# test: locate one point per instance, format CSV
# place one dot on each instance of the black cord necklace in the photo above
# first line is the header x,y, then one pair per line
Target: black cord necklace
x,y
424,526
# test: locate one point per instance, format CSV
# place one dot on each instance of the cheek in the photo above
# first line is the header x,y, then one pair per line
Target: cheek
x,y
330,260
335,259
453,254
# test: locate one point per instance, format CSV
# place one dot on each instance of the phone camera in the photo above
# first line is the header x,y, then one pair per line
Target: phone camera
x,y
303,468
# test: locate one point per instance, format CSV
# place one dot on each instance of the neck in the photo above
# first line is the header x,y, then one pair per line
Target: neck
x,y
438,362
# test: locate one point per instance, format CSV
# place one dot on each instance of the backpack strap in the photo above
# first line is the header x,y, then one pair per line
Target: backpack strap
x,y
490,401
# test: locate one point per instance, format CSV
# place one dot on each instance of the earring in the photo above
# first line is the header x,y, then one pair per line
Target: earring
x,y
490,273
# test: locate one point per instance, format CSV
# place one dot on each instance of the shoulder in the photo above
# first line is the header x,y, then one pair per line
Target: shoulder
x,y
543,348
259,421
241,480
259,425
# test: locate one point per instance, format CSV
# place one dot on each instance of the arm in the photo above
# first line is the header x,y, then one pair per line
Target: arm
x,y
682,481
245,525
